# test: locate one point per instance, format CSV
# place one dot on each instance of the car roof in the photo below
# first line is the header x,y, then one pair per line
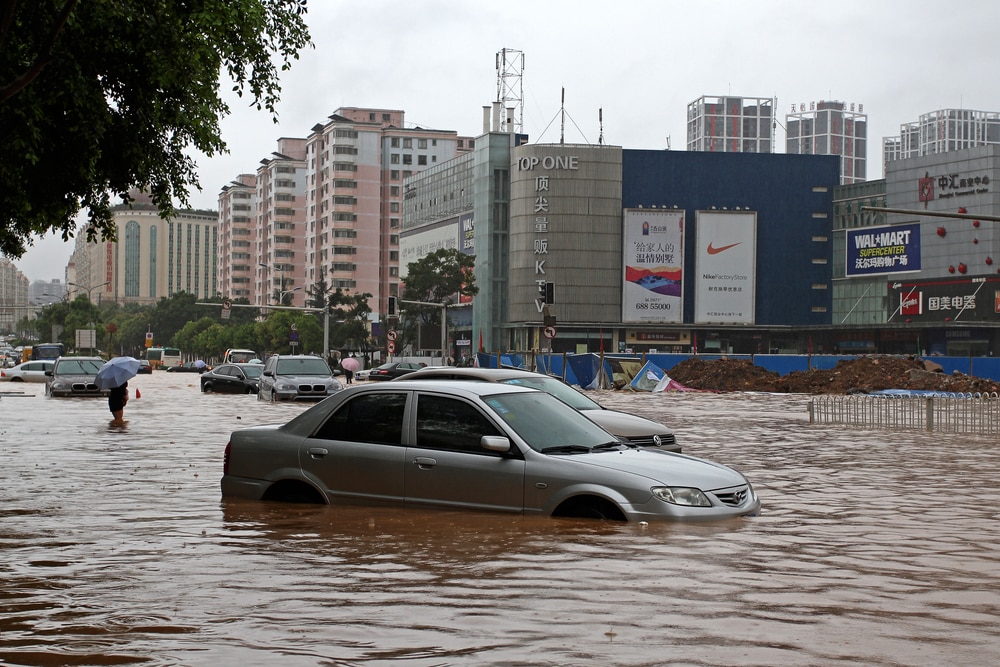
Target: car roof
x,y
490,374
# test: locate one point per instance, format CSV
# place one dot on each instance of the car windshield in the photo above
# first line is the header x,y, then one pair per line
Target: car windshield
x,y
78,367
311,366
557,388
547,424
252,371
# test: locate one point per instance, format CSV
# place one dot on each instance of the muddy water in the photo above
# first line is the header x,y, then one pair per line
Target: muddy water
x,y
873,548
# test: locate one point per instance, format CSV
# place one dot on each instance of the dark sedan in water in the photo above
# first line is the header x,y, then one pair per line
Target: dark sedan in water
x,y
232,379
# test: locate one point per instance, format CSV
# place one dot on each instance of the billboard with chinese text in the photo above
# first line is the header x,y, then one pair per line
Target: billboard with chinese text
x,y
654,266
883,250
962,299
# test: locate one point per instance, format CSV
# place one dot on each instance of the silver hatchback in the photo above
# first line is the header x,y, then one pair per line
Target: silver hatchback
x,y
477,446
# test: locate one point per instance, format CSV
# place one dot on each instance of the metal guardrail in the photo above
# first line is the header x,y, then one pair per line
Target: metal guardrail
x,y
946,413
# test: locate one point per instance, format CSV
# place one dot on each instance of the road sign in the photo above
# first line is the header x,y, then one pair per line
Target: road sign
x,y
391,334
549,332
392,347
227,304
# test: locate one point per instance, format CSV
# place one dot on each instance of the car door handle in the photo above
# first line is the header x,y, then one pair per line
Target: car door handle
x,y
318,452
425,462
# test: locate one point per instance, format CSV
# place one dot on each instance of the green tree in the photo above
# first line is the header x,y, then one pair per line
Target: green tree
x,y
439,278
98,98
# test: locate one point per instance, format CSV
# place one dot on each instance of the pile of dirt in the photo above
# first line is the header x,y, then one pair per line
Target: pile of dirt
x,y
860,375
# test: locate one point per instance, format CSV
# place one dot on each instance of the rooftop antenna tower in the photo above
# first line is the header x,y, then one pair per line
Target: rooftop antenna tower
x,y
600,123
510,90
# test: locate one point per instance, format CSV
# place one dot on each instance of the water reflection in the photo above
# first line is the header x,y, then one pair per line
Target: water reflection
x,y
115,548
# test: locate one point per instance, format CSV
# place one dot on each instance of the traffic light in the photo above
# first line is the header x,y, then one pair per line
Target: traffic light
x,y
392,307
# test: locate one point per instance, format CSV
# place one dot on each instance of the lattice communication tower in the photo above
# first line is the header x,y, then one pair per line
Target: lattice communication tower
x,y
510,91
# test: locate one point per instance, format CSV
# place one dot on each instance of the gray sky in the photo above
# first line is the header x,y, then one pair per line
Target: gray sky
x,y
641,61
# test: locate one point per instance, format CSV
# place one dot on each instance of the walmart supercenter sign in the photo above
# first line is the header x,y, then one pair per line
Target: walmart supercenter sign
x,y
882,250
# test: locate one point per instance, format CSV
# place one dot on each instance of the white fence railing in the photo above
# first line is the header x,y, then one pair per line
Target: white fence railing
x,y
946,413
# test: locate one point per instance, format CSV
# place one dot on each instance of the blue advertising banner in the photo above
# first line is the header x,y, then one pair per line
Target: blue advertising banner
x,y
883,250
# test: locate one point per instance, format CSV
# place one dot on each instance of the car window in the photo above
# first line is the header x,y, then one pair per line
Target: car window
x,y
543,421
252,371
310,366
447,423
78,367
557,388
376,418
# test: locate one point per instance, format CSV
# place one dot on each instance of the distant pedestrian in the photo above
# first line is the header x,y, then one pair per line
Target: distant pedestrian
x,y
117,398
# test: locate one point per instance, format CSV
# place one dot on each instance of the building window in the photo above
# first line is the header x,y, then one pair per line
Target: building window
x,y
394,175
407,143
407,158
422,159
421,143
394,158
394,142
132,240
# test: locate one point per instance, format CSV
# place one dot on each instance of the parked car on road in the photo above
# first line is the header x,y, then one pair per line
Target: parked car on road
x,y
296,377
29,371
393,369
74,376
637,430
145,368
232,378
474,446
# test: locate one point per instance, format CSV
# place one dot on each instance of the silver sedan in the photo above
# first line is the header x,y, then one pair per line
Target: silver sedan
x,y
478,446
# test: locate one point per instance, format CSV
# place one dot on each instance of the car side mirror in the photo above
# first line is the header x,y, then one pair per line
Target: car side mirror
x,y
49,373
268,373
495,443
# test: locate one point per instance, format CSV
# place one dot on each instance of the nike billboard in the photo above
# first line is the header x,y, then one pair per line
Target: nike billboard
x,y
652,289
725,267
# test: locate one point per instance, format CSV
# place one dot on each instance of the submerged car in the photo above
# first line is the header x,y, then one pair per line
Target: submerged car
x,y
296,377
29,371
393,369
74,376
476,446
232,378
637,430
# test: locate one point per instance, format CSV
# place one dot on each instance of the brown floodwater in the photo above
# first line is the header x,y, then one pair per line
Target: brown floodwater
x,y
873,548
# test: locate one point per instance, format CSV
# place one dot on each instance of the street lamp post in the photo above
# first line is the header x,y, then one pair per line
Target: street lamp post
x,y
282,293
88,290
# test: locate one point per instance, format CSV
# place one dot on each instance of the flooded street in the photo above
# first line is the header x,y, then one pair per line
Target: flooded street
x,y
873,547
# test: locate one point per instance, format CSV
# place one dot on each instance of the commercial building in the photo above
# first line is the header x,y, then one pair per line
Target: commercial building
x,y
591,248
922,277
153,258
830,128
942,131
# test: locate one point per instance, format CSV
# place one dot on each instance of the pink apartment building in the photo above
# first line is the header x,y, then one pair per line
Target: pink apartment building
x,y
327,207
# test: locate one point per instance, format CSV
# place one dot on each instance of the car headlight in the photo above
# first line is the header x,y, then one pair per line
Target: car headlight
x,y
284,386
681,495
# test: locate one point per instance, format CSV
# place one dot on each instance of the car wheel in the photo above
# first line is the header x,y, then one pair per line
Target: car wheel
x,y
16,379
206,387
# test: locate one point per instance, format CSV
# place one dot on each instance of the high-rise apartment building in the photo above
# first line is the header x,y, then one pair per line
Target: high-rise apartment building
x,y
830,128
731,124
13,296
281,236
326,209
943,131
238,254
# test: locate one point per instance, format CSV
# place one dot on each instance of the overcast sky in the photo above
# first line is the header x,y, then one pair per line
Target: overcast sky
x,y
641,61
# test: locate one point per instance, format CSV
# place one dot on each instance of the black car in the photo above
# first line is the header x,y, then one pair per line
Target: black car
x,y
189,367
232,378
393,370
